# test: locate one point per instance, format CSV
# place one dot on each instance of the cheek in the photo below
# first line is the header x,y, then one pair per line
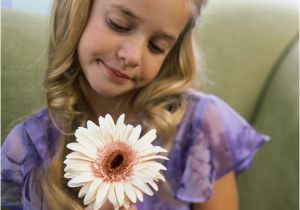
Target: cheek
x,y
151,72
96,40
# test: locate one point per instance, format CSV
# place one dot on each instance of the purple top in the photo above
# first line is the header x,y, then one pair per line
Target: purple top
x,y
211,141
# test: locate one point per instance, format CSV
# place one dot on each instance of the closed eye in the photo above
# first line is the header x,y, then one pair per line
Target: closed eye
x,y
155,49
117,27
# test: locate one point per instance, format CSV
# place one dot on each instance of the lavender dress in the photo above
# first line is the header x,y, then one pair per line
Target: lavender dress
x,y
211,141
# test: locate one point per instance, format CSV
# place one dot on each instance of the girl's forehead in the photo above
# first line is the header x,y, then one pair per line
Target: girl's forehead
x,y
167,14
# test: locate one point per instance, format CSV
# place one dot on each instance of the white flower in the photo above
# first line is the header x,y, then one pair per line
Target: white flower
x,y
111,161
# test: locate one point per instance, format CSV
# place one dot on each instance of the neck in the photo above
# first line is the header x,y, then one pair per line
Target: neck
x,y
99,105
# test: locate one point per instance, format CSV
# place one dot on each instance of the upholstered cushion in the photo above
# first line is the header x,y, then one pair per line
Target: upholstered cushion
x,y
241,42
273,181
23,65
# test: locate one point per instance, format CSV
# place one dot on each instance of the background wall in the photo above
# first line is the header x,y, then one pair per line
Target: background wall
x,y
32,6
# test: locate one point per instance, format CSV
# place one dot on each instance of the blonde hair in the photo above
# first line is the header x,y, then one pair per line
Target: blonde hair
x,y
162,102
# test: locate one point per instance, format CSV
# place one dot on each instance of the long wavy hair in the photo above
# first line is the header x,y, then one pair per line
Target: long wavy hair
x,y
162,102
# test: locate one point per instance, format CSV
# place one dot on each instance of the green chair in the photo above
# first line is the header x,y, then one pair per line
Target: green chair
x,y
250,55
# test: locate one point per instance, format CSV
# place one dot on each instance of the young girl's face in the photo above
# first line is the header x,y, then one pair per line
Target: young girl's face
x,y
126,41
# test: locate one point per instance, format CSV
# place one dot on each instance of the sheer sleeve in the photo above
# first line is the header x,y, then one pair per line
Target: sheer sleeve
x,y
233,141
220,141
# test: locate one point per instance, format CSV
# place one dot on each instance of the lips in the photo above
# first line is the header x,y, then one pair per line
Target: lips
x,y
115,72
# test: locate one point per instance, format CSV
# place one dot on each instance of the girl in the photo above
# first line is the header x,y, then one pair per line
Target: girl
x,y
134,57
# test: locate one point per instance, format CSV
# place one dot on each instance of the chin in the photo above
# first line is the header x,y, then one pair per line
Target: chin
x,y
109,93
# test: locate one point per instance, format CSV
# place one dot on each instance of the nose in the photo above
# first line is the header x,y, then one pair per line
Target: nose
x,y
131,52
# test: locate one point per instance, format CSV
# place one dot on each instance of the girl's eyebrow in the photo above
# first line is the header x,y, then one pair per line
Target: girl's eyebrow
x,y
168,37
128,13
125,10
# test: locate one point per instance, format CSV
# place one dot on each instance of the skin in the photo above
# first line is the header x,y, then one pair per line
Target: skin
x,y
108,206
225,195
124,36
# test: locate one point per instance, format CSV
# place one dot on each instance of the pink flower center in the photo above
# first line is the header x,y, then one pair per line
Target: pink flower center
x,y
115,161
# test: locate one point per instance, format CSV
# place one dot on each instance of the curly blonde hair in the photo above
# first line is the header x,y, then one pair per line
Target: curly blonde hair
x,y
162,101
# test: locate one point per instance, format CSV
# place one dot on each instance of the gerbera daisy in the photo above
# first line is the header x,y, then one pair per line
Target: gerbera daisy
x,y
111,161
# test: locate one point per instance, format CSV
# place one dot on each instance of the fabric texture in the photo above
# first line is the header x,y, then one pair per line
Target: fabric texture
x,y
211,141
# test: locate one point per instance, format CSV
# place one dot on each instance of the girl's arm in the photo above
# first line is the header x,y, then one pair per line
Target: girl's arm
x,y
225,195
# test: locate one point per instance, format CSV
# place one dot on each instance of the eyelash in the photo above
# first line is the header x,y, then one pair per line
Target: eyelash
x,y
155,48
118,28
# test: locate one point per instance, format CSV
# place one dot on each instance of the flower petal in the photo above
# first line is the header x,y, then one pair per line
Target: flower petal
x,y
110,121
68,175
78,169
71,174
138,193
92,153
146,175
152,150
89,138
146,189
129,190
91,125
107,123
120,192
84,189
78,162
102,194
135,180
151,157
153,185
78,165
91,193
120,128
106,130
126,133
107,136
76,184
160,177
126,203
134,136
154,165
112,195
99,135
120,122
86,177
78,156
148,138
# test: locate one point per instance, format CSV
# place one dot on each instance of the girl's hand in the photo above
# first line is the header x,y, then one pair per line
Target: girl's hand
x,y
108,206
132,207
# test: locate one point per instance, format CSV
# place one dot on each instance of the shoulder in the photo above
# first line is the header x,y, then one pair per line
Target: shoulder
x,y
199,98
207,108
39,125
37,117
36,135
202,108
